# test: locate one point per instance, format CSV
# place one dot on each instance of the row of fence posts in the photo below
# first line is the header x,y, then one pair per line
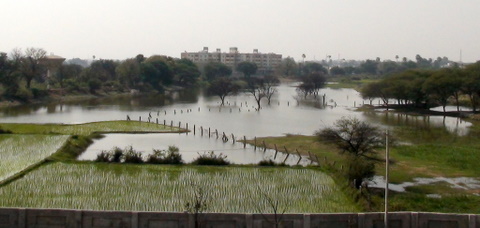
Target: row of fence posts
x,y
225,138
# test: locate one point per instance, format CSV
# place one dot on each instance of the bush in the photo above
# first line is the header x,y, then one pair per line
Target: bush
x,y
210,158
103,156
94,84
5,131
359,170
132,156
23,94
270,162
39,93
170,156
116,155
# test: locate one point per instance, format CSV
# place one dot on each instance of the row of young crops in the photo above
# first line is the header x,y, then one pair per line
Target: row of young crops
x,y
170,188
17,152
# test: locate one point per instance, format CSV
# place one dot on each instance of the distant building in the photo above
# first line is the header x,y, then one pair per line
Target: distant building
x,y
53,63
266,62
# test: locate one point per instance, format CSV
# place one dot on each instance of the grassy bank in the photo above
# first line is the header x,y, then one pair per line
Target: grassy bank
x,y
119,126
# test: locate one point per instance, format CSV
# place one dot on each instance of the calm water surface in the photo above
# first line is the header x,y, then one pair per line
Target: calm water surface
x,y
287,114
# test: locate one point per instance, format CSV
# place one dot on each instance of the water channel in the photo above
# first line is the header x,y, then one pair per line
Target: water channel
x,y
287,114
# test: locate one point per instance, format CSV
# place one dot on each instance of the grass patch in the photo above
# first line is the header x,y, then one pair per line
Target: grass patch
x,y
446,204
88,128
327,154
98,186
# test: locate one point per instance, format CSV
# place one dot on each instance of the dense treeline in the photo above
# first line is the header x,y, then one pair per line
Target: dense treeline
x,y
23,75
423,88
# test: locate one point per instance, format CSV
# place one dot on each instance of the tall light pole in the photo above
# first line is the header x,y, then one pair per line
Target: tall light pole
x,y
386,179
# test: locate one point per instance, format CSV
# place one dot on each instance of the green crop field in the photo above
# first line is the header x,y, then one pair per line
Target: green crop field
x,y
169,188
18,152
87,128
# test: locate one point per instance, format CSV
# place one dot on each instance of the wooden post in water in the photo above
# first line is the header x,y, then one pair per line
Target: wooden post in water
x,y
244,142
216,132
286,158
194,129
209,132
157,120
186,126
233,138
140,118
276,151
300,156
179,124
264,146
164,122
255,143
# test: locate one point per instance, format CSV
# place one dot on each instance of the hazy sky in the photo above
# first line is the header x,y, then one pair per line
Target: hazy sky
x,y
351,29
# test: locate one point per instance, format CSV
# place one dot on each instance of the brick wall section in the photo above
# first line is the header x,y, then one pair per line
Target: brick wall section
x,y
56,218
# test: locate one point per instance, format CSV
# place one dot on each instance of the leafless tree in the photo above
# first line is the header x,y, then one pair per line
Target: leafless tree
x,y
198,203
31,66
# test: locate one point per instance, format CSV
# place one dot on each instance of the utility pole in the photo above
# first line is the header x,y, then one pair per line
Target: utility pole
x,y
386,179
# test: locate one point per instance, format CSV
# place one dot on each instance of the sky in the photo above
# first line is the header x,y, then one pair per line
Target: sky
x,y
343,29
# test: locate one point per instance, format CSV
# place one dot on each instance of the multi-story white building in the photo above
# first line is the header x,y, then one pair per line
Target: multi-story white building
x,y
266,62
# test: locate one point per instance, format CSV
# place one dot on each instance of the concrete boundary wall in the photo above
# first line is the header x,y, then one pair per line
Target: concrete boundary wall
x,y
57,218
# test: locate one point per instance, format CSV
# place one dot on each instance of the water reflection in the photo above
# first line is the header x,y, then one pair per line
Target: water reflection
x,y
453,125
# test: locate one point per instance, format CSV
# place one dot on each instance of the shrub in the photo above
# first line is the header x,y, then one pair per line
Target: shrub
x,y
210,158
103,156
39,93
5,131
170,156
132,156
270,162
116,155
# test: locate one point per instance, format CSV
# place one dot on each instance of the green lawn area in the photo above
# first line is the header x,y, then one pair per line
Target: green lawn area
x,y
87,128
100,186
18,152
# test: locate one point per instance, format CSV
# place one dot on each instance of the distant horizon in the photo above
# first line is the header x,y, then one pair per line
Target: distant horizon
x,y
240,51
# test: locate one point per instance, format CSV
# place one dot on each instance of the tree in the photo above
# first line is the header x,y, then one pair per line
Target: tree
x,y
269,83
247,68
337,71
222,87
186,72
369,67
314,67
215,70
471,83
129,73
103,69
441,86
8,75
288,67
67,71
31,66
312,84
156,72
353,136
358,140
